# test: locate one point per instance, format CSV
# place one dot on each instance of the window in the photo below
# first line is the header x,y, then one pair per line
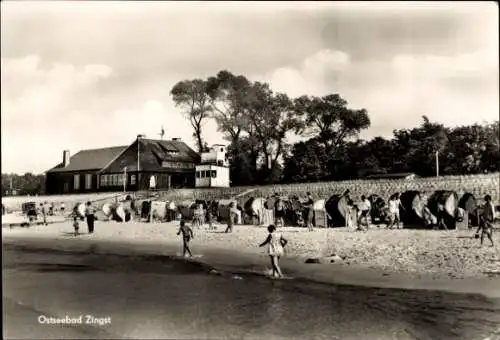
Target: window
x,y
132,180
220,163
221,149
197,174
121,179
114,180
104,180
202,174
76,182
214,173
207,173
88,181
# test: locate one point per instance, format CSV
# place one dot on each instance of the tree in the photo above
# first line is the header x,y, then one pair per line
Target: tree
x,y
306,162
192,97
473,149
330,120
27,184
227,94
271,117
416,148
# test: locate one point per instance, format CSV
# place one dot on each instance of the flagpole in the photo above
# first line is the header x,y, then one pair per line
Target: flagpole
x,y
125,179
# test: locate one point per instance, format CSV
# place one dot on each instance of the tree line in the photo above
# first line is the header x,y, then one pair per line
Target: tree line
x,y
257,122
27,184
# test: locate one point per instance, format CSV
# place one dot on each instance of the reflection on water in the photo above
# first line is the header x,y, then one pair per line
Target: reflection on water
x,y
166,298
253,308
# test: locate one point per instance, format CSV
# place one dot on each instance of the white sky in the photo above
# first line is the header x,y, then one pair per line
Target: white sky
x,y
86,75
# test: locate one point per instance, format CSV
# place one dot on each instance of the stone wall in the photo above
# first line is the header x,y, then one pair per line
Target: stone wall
x,y
478,185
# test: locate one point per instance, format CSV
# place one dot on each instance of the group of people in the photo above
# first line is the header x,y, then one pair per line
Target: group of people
x,y
360,214
90,212
355,214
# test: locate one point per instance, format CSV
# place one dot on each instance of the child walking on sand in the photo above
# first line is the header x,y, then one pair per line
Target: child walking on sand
x,y
187,235
76,225
276,243
232,218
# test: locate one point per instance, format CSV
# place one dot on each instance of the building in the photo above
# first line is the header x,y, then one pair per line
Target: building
x,y
171,162
213,170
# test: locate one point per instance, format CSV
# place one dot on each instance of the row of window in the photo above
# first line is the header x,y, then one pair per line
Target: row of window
x,y
116,180
106,180
206,173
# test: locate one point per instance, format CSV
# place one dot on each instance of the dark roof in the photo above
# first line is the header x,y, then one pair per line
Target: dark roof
x,y
391,176
92,159
152,154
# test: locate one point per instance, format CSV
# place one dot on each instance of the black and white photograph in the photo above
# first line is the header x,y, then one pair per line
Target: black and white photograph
x,y
250,170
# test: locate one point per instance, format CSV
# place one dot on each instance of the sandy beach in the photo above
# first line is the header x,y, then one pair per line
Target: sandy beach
x,y
424,253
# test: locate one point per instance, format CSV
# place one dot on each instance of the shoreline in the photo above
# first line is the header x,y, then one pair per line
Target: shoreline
x,y
256,263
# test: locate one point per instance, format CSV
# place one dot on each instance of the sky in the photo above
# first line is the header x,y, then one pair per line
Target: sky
x,y
95,74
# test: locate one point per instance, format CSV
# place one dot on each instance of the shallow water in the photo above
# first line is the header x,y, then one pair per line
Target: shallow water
x,y
162,297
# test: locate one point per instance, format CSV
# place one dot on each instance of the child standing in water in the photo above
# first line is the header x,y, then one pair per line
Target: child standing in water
x,y
187,235
276,243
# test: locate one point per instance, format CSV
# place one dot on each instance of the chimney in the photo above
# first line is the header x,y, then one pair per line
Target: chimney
x,y
65,158
177,139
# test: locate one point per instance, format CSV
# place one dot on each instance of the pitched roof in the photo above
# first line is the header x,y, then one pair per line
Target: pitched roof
x,y
152,155
92,159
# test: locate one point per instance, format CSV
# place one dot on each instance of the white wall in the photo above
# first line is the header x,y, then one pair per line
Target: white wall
x,y
217,153
221,179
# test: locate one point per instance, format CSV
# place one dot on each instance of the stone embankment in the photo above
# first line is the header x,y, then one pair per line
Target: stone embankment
x,y
478,185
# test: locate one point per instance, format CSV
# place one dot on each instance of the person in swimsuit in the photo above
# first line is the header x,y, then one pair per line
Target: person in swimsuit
x,y
187,236
276,243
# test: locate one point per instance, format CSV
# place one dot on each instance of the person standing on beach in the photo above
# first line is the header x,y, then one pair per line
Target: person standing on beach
x,y
210,216
43,211
276,243
365,208
279,212
231,218
90,214
76,225
309,211
350,213
394,206
187,236
486,220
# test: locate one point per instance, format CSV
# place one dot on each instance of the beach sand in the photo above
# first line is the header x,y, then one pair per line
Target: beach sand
x,y
387,257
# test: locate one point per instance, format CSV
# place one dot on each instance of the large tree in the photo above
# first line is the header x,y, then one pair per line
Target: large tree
x,y
330,120
271,117
227,94
192,96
